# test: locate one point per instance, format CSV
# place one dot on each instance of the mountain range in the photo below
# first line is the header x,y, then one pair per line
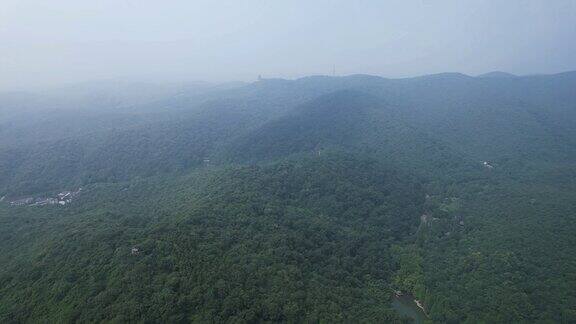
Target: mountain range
x,y
307,200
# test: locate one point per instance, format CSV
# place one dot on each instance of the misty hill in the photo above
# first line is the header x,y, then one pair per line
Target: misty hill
x,y
522,120
497,74
294,200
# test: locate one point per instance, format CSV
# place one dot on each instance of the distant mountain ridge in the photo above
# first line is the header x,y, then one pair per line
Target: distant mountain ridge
x,y
286,201
497,74
476,118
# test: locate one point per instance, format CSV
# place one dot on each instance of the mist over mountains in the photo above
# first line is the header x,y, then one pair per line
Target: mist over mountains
x,y
307,200
502,119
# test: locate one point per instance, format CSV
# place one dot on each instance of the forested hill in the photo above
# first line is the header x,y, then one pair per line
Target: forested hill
x,y
304,240
291,200
510,121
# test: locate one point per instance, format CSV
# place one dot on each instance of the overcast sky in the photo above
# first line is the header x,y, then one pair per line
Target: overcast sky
x,y
62,41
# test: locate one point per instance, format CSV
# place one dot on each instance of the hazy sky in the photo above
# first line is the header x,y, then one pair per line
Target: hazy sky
x,y
60,41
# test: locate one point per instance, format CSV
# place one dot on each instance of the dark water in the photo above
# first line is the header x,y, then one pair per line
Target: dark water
x,y
405,306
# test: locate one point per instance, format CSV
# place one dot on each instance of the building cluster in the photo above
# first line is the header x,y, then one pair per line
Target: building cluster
x,y
61,199
487,165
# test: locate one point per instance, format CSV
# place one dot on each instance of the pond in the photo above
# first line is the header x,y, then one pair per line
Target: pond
x,y
405,306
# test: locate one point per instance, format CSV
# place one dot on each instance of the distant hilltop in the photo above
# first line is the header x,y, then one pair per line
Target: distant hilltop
x,y
497,74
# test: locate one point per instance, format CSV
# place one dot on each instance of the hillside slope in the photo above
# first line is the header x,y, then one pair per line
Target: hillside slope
x,y
298,200
305,240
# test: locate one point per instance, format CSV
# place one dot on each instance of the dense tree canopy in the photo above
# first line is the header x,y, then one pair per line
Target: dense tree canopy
x,y
296,201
